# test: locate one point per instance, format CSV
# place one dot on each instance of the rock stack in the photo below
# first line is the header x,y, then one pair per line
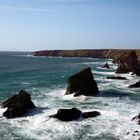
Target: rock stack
x,y
18,105
129,63
82,83
106,66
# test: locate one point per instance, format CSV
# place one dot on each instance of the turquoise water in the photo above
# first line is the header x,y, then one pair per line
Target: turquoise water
x,y
45,78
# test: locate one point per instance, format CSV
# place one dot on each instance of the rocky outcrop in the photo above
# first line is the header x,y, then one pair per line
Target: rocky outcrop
x,y
106,66
136,85
129,63
18,105
82,83
90,114
134,133
137,119
73,114
67,114
116,78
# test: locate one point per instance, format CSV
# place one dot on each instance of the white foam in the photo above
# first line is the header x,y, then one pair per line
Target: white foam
x,y
115,119
102,73
91,63
2,110
112,67
25,83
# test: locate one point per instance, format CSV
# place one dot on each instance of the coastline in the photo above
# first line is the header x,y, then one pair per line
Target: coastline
x,y
114,54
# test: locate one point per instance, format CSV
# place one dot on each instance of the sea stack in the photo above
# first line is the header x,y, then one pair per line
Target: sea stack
x,y
106,66
82,83
129,63
17,105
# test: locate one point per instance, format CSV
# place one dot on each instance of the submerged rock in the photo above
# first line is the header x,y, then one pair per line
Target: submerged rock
x,y
137,119
106,66
73,114
82,83
18,105
136,85
129,63
116,78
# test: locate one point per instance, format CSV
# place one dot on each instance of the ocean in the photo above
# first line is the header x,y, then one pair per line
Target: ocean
x,y
45,78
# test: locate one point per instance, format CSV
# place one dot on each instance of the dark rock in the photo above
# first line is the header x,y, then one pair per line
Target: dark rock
x,y
90,114
78,93
134,134
106,66
18,105
82,83
117,78
73,114
136,131
136,85
129,63
137,119
67,114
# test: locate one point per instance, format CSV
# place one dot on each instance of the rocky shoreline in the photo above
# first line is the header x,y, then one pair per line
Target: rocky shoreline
x,y
127,60
80,83
115,54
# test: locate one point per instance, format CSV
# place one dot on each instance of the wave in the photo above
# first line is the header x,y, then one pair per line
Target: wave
x,y
102,73
112,67
115,120
2,110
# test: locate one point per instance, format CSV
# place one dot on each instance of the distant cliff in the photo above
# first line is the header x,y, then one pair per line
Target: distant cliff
x,y
97,53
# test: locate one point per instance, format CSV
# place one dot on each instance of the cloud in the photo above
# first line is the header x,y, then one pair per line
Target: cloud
x,y
64,10
25,8
48,6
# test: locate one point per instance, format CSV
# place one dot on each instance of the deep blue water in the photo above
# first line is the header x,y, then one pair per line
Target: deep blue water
x,y
45,78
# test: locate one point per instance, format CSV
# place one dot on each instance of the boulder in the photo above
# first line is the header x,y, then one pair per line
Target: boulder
x,y
129,63
136,85
18,105
73,114
106,66
67,114
137,119
90,114
82,83
116,78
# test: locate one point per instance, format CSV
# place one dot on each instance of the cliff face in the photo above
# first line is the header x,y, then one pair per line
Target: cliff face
x,y
72,53
129,63
104,53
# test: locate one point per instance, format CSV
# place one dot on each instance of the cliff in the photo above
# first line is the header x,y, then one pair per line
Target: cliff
x,y
129,63
116,55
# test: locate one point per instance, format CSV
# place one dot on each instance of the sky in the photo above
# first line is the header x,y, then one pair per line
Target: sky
x,y
31,25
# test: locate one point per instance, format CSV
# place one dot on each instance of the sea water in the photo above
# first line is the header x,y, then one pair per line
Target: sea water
x,y
45,78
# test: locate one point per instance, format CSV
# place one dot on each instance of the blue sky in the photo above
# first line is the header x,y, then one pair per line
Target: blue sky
x,y
28,25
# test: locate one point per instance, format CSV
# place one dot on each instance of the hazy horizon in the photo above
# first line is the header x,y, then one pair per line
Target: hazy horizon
x,y
73,24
